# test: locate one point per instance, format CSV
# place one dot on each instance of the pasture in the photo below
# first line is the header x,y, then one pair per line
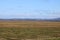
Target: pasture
x,y
29,30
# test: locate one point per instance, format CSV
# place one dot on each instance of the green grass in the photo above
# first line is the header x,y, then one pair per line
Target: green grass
x,y
43,33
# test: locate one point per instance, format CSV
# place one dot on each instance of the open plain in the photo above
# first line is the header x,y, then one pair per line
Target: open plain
x,y
29,30
25,24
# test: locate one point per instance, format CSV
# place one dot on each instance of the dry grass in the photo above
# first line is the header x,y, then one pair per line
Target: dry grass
x,y
29,30
29,24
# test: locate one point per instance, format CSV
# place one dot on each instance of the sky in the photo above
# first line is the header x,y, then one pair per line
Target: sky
x,y
35,9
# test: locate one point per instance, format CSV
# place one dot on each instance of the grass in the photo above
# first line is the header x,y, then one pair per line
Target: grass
x,y
29,30
29,24
30,33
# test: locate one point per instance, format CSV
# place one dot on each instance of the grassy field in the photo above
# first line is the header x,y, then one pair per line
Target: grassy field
x,y
29,30
25,24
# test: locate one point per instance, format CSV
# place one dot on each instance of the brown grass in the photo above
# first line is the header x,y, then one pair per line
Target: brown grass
x,y
29,24
29,30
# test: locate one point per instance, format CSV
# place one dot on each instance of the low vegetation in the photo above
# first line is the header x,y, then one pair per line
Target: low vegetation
x,y
33,31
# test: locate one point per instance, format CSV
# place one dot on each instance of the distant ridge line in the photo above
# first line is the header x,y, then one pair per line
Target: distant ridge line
x,y
55,19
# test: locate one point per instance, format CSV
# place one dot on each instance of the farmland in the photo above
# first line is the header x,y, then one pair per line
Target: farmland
x,y
29,30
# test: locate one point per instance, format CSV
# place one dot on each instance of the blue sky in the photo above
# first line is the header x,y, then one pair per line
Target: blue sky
x,y
44,9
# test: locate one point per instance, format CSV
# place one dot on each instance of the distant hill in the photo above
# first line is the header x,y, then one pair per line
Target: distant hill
x,y
55,19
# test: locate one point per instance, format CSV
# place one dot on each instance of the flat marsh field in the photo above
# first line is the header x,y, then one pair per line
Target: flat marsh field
x,y
29,30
